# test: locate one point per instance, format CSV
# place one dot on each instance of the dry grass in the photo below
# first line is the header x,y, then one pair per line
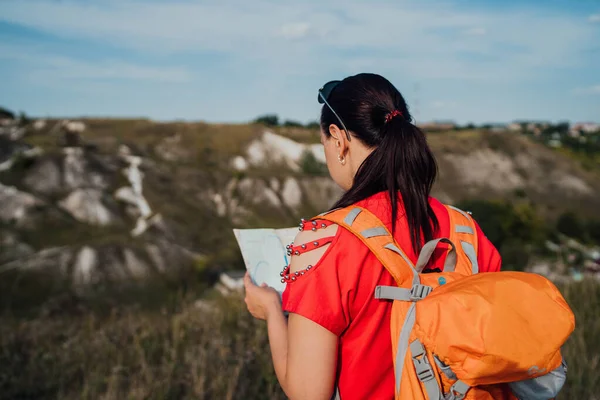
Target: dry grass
x,y
138,355
191,353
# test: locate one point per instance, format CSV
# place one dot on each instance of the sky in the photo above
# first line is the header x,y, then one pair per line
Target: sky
x,y
233,60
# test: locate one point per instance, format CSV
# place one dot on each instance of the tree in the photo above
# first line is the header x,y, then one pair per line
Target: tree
x,y
6,113
268,120
569,224
514,230
311,166
593,229
292,124
562,128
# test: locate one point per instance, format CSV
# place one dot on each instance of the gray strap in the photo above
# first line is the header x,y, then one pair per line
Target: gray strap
x,y
429,248
416,293
470,252
464,229
459,390
425,371
392,293
407,327
349,219
372,232
395,249
445,369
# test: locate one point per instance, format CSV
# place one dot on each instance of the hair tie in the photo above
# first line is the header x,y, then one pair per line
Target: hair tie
x,y
391,115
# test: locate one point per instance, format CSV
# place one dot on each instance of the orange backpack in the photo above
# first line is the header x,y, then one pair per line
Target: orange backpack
x,y
463,335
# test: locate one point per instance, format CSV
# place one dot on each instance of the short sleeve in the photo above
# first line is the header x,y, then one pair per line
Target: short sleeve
x,y
320,294
488,256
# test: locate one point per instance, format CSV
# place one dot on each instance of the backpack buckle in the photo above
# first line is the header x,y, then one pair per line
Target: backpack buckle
x,y
419,292
424,371
421,361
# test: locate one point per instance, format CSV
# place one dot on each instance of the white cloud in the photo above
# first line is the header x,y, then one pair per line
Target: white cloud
x,y
594,89
442,104
423,37
274,50
295,30
43,65
475,31
594,18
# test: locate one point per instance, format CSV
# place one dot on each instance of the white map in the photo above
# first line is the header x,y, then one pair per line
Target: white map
x,y
265,254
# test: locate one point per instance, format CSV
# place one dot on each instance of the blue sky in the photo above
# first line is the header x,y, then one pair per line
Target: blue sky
x,y
230,61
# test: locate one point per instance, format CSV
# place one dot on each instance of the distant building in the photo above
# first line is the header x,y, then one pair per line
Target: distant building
x,y
585,128
514,127
535,127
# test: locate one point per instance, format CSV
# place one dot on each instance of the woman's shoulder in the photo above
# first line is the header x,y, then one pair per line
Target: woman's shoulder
x,y
319,239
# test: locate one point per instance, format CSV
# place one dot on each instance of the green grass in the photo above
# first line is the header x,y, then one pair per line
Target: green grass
x,y
582,350
183,352
133,355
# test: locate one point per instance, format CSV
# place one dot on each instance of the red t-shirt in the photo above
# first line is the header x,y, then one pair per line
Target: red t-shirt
x,y
338,294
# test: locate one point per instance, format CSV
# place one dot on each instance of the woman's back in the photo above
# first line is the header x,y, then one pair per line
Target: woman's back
x,y
336,328
338,294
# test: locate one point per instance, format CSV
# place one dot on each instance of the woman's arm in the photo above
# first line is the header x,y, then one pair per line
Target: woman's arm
x,y
304,353
304,356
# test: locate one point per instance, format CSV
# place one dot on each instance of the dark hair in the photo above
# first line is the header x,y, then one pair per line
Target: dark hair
x,y
401,161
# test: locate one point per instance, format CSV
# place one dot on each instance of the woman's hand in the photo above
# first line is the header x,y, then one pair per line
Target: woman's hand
x,y
261,300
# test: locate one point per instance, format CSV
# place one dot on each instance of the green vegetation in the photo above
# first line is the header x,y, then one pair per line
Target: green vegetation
x,y
268,120
272,121
188,352
520,233
516,230
311,166
155,341
185,351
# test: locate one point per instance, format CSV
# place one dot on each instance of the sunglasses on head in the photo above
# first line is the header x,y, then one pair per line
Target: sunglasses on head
x,y
324,94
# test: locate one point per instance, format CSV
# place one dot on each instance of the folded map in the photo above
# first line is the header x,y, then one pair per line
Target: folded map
x,y
265,254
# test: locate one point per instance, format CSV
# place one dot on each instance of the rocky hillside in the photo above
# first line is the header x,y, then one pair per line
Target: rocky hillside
x,y
111,201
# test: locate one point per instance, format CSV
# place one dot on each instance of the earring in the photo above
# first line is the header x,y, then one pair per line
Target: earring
x,y
341,159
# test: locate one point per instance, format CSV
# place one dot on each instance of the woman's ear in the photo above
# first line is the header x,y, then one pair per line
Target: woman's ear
x,y
341,142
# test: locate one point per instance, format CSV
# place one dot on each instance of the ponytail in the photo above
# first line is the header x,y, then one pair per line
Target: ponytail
x,y
410,169
402,163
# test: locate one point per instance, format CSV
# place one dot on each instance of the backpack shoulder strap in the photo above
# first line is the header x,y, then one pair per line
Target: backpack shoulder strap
x,y
464,234
373,233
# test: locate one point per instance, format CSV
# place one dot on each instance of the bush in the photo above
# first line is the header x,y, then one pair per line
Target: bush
x,y
6,113
311,166
292,124
517,231
268,120
593,229
569,224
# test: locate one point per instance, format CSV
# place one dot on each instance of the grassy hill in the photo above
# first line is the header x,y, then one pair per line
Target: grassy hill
x,y
153,338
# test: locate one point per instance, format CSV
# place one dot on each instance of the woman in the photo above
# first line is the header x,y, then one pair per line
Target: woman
x,y
338,334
